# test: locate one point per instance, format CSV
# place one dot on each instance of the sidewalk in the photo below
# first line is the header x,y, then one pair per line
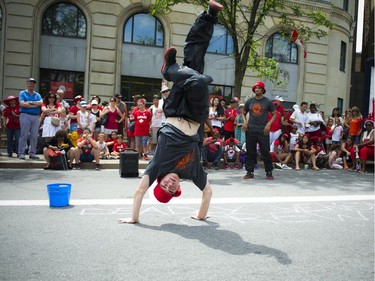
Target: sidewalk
x,y
15,163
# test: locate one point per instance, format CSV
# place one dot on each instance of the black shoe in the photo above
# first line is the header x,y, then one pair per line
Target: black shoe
x,y
215,166
249,175
21,157
269,176
47,167
97,167
204,164
76,167
34,157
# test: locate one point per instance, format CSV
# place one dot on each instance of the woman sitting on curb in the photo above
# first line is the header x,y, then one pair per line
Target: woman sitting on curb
x,y
305,153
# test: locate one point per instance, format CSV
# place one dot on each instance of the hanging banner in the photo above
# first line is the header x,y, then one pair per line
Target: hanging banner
x,y
67,87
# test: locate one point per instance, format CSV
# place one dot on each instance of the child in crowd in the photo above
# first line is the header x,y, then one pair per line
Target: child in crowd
x,y
334,159
348,153
231,154
294,137
118,147
321,156
305,153
337,132
280,152
238,122
64,121
103,148
328,135
92,119
112,141
87,150
11,121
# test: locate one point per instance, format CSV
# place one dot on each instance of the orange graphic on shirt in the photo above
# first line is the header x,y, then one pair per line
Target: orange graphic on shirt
x,y
186,160
257,109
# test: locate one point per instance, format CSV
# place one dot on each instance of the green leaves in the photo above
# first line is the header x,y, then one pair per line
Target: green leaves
x,y
248,21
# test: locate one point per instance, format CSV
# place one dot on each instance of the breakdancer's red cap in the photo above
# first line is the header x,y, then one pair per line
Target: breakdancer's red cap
x,y
163,196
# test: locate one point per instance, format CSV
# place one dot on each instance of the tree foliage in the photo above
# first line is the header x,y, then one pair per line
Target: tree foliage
x,y
244,20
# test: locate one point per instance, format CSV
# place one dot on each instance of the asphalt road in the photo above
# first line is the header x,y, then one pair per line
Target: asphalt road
x,y
302,226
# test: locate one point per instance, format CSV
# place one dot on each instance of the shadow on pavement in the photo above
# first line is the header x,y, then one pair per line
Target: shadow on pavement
x,y
221,239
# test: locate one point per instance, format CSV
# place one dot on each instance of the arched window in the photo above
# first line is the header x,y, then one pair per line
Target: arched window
x,y
279,48
64,19
221,41
144,29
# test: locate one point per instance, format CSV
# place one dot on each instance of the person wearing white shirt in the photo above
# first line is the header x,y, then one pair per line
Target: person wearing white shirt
x,y
299,118
315,121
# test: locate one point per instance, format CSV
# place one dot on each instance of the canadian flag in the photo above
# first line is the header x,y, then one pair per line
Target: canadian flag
x,y
299,42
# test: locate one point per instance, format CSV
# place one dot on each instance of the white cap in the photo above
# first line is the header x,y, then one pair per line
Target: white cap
x,y
164,87
94,102
83,103
279,98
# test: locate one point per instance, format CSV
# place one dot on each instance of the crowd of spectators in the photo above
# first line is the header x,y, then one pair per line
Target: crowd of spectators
x,y
99,130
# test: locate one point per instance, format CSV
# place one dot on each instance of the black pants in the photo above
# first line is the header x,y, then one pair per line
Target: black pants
x,y
197,42
189,94
252,138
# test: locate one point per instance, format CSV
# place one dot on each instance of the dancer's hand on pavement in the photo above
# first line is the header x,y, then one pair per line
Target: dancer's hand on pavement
x,y
199,219
127,220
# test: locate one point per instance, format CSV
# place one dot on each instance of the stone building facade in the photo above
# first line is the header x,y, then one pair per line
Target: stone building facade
x,y
103,47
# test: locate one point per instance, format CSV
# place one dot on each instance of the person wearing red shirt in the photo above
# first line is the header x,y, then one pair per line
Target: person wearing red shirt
x,y
111,141
73,112
87,150
279,107
348,153
212,151
11,116
230,115
280,152
275,129
118,147
142,118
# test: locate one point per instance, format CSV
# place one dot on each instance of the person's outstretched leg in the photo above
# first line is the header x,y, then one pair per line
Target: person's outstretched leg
x,y
199,37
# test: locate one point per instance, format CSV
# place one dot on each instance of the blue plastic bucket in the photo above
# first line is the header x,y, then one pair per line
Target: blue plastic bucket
x,y
59,194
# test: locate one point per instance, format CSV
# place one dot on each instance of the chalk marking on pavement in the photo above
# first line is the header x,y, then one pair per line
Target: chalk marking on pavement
x,y
188,201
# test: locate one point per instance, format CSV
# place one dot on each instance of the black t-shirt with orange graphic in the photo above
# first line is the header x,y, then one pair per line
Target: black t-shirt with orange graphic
x,y
258,110
177,153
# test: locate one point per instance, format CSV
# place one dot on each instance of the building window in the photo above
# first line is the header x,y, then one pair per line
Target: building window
x,y
144,87
343,56
144,29
70,81
221,41
340,104
64,19
345,5
280,49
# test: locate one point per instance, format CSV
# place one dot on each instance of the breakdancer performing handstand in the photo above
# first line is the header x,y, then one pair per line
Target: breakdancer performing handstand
x,y
178,154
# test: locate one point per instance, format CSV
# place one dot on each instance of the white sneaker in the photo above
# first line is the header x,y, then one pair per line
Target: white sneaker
x,y
285,167
278,165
